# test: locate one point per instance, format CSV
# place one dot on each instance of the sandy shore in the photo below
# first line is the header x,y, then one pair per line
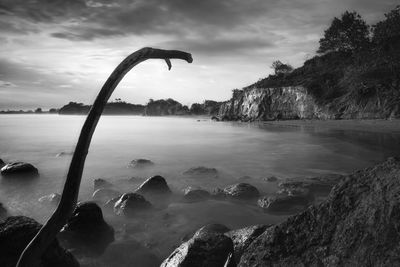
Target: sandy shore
x,y
378,125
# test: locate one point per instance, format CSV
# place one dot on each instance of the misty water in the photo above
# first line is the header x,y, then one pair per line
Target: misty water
x,y
176,144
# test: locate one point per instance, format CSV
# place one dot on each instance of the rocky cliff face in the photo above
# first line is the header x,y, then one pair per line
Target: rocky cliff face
x,y
286,103
294,102
358,225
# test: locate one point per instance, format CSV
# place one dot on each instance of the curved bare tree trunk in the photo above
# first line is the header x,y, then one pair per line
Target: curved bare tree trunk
x,y
31,255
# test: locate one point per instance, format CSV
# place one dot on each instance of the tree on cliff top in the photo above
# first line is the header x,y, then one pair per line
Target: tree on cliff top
x,y
281,68
346,34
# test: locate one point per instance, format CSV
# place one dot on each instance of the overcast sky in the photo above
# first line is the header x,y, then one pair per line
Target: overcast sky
x,y
56,51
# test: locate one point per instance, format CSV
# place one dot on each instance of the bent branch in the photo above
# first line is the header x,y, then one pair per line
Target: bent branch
x,y
31,256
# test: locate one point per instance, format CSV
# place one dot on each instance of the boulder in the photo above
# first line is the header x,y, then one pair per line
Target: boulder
x,y
101,183
211,250
15,234
213,228
241,191
286,203
104,194
243,237
130,203
128,253
195,195
271,179
53,199
86,231
141,163
357,225
202,171
19,168
154,185
316,185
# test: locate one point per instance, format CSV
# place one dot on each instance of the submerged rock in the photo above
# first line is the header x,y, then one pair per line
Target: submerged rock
x,y
242,238
53,199
104,194
101,183
15,234
63,153
357,225
86,231
241,191
271,179
130,203
287,201
211,250
213,228
128,253
19,168
316,185
202,171
155,185
141,163
195,195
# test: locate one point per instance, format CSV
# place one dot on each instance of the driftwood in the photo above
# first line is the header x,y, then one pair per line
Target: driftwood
x,y
31,256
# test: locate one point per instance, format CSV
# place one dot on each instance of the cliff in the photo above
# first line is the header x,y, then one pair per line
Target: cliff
x,y
165,107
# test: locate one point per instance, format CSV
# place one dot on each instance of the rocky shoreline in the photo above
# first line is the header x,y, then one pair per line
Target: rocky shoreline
x,y
357,223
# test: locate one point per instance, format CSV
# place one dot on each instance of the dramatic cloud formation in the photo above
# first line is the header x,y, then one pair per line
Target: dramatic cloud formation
x,y
56,51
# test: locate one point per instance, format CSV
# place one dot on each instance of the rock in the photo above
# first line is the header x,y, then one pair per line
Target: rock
x,y
130,203
3,211
214,118
101,183
211,250
357,225
155,185
271,179
241,191
19,168
242,238
286,203
62,154
195,195
53,199
109,205
104,194
202,171
86,231
2,163
218,194
213,228
15,234
316,185
141,163
128,253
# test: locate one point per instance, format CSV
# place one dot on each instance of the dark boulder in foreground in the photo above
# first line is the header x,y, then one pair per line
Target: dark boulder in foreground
x,y
195,195
131,203
141,163
202,171
242,238
358,225
19,168
154,185
100,183
86,231
211,250
15,234
241,191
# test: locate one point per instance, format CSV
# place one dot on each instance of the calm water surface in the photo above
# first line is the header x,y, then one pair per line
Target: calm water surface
x,y
176,144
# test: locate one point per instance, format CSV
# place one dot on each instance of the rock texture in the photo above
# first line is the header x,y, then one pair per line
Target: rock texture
x,y
358,225
155,184
101,183
19,168
86,231
52,199
282,103
195,195
241,191
130,203
16,232
141,163
201,171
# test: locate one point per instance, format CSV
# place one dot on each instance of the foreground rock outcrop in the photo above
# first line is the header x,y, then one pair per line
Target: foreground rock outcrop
x,y
19,168
358,225
16,232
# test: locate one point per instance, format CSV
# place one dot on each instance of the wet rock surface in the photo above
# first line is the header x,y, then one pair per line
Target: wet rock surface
x,y
243,237
195,195
53,199
101,183
2,163
208,249
141,163
19,168
316,185
154,185
357,225
131,203
241,191
16,232
202,171
213,228
86,231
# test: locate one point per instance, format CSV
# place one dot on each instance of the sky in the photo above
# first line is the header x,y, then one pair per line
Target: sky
x,y
56,51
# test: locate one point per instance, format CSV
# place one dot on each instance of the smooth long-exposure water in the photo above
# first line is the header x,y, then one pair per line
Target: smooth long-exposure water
x,y
175,144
